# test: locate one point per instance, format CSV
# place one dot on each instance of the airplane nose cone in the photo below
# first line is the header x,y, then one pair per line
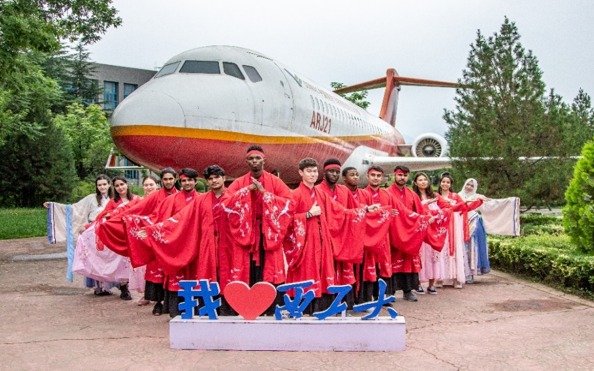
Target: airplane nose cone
x,y
149,107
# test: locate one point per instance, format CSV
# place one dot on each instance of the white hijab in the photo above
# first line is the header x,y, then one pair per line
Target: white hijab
x,y
469,196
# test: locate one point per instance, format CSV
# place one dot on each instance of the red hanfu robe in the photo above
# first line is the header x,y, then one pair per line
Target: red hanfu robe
x,y
438,230
169,207
112,232
407,231
258,219
457,204
359,196
315,243
345,273
377,255
113,209
184,245
223,239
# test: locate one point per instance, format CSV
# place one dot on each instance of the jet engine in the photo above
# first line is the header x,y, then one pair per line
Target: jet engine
x,y
429,145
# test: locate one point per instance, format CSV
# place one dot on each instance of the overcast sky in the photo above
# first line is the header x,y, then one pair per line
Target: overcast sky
x,y
355,41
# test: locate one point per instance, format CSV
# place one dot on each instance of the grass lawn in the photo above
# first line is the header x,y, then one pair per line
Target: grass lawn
x,y
22,223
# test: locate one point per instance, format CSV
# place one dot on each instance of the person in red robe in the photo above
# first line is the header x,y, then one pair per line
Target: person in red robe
x,y
169,207
350,176
454,261
111,230
431,261
323,231
215,177
345,274
259,210
187,243
377,261
406,243
115,232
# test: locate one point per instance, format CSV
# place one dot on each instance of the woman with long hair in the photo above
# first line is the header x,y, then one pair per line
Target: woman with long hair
x,y
94,260
453,251
431,264
67,221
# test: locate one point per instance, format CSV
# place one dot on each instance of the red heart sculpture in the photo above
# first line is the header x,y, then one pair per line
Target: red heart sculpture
x,y
249,302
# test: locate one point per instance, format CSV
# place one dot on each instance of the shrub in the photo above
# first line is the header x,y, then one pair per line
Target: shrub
x,y
553,260
578,212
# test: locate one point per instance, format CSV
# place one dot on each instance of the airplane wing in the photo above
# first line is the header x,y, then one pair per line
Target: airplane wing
x,y
388,163
413,163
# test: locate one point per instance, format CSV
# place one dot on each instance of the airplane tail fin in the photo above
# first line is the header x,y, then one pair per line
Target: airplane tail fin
x,y
392,83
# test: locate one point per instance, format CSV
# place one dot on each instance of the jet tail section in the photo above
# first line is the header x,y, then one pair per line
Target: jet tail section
x,y
392,83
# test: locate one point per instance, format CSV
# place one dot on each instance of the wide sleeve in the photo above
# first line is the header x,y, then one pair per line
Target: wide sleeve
x,y
276,218
407,229
174,242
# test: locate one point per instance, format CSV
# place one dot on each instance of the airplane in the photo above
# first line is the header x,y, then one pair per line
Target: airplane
x,y
207,105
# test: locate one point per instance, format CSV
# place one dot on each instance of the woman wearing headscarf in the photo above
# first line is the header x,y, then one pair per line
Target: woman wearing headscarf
x,y
477,255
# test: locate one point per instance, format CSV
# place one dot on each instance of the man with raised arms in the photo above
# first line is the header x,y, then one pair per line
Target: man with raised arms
x,y
259,210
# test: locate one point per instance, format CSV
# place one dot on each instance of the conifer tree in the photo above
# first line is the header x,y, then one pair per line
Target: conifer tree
x,y
501,116
578,213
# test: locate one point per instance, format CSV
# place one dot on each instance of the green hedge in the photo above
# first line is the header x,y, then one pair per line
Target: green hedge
x,y
551,259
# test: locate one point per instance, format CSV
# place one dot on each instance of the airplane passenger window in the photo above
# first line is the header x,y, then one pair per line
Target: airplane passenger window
x,y
232,69
167,69
252,73
208,67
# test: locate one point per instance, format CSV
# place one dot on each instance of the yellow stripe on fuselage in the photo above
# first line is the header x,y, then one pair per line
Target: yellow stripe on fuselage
x,y
167,131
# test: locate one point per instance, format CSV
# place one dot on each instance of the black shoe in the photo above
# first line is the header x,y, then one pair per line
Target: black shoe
x,y
410,296
158,309
102,292
125,293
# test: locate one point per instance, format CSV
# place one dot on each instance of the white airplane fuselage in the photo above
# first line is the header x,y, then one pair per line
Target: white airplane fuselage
x,y
196,116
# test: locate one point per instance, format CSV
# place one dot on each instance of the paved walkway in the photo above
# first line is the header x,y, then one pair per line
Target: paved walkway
x,y
498,323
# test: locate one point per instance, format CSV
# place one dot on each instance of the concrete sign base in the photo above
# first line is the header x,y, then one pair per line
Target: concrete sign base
x,y
305,334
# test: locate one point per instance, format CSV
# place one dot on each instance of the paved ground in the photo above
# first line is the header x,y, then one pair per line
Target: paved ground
x,y
498,323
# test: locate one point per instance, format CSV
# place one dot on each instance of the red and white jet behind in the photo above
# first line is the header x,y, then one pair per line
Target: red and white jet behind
x,y
207,105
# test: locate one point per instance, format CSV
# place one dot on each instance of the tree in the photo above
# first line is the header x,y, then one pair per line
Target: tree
x,y
32,29
36,165
581,122
501,114
87,133
578,213
358,97
35,170
80,87
71,68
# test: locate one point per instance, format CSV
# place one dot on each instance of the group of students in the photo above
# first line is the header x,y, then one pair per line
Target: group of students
x,y
258,229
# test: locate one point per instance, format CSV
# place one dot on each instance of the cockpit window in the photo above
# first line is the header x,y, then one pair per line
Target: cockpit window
x,y
208,67
252,73
167,69
232,69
